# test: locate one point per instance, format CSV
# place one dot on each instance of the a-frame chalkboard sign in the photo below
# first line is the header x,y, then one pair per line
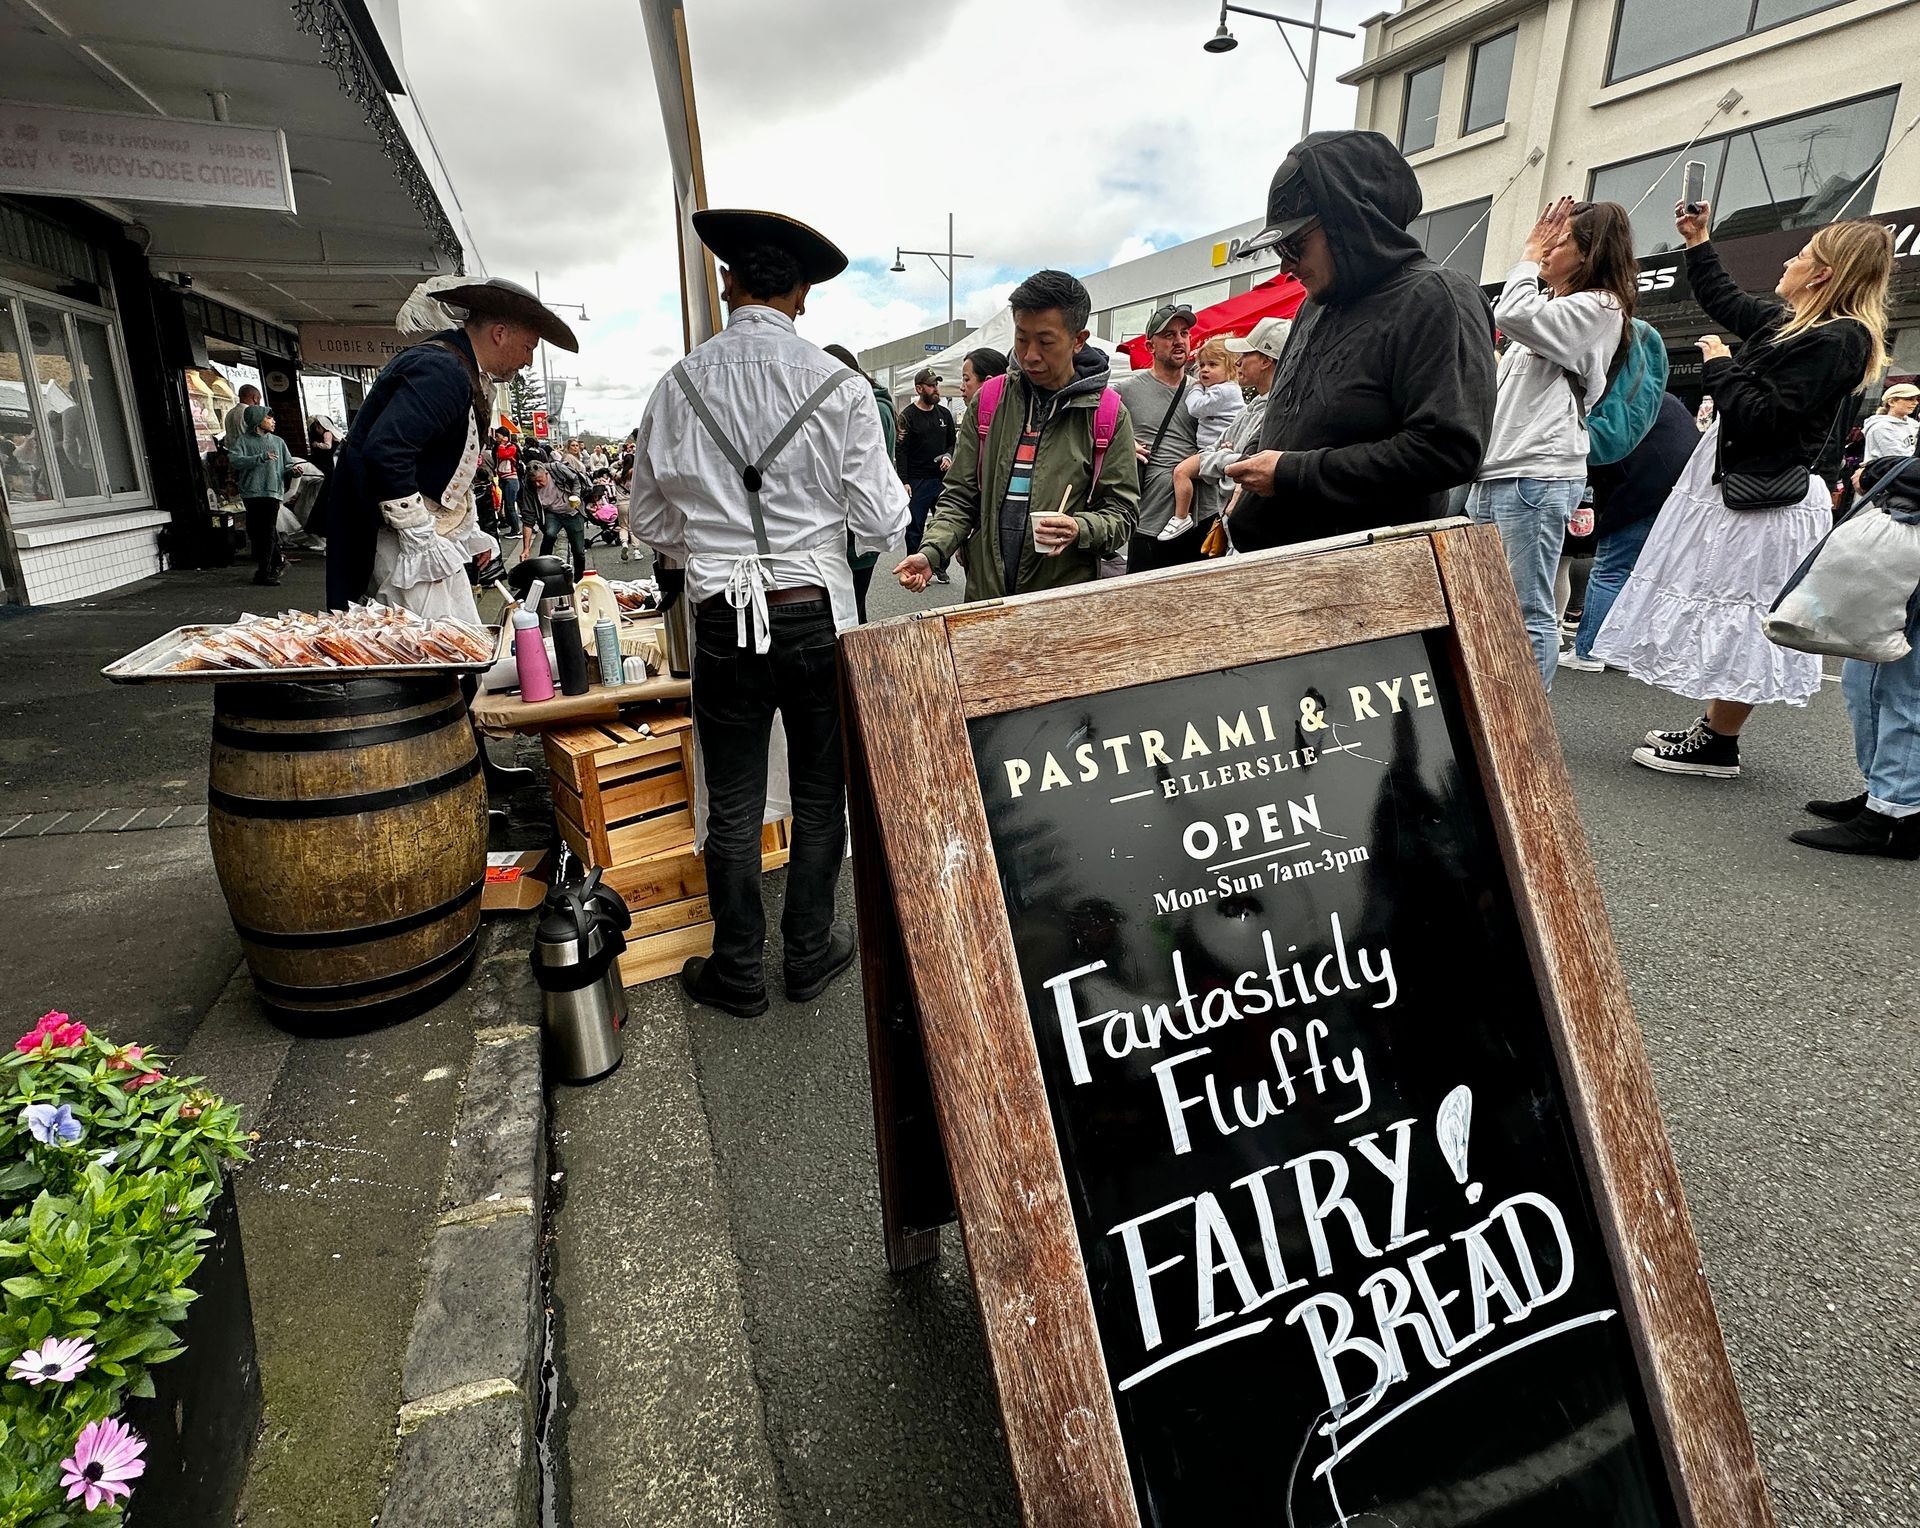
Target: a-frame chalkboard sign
x,y
1231,935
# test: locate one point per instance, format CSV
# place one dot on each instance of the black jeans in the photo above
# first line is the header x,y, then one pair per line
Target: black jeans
x,y
922,495
263,535
575,528
735,693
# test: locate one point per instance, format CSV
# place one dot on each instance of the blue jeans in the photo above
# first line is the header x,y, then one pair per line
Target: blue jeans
x,y
1613,562
1532,516
1883,701
574,528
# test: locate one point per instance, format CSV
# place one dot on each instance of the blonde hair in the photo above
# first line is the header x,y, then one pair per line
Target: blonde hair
x,y
1859,254
1216,350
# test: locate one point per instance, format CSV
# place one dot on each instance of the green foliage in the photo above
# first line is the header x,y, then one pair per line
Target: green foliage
x,y
98,1240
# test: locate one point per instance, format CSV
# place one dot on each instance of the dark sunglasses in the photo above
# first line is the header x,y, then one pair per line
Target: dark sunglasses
x,y
1290,247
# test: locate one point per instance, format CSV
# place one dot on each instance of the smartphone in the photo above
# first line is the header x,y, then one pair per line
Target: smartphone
x,y
1694,188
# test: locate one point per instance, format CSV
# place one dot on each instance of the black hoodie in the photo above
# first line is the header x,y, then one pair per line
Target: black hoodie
x,y
1384,396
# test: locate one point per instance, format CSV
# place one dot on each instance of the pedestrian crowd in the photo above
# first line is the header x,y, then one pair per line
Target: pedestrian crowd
x,y
768,474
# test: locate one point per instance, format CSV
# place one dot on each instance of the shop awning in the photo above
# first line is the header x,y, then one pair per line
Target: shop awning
x,y
1278,298
369,223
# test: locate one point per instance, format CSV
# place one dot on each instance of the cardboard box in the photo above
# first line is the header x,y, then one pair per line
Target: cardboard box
x,y
516,882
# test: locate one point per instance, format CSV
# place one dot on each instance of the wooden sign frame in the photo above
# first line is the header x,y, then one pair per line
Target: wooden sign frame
x,y
952,1040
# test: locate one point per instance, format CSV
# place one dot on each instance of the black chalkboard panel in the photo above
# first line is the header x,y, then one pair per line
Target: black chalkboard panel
x,y
1342,1251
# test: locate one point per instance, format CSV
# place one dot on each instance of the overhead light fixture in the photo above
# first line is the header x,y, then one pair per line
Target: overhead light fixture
x,y
583,314
1222,40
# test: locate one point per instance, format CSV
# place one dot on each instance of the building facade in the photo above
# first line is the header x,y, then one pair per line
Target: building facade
x,y
1796,108
183,190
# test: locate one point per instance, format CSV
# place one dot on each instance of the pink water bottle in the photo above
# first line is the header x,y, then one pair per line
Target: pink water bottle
x,y
530,649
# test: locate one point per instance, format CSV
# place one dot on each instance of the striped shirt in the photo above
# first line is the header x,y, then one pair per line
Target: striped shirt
x,y
1016,507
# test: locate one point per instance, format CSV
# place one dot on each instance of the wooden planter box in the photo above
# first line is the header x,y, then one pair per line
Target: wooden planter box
x,y
205,1411
623,801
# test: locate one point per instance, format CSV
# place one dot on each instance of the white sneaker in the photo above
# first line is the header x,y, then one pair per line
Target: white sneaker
x,y
1175,528
1569,659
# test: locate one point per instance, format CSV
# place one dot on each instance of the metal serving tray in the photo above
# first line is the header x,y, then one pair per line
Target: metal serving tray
x,y
151,665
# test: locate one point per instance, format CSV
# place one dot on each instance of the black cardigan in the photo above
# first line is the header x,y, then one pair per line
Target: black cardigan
x,y
1779,403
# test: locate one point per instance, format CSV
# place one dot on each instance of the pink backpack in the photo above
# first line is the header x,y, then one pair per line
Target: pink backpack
x,y
1106,419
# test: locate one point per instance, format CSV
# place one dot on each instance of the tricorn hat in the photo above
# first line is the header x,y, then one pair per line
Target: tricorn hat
x,y
731,231
497,297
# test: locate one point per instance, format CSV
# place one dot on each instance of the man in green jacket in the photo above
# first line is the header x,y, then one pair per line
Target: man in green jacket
x,y
1024,507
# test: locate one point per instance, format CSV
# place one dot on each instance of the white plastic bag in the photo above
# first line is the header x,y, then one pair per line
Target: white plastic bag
x,y
1853,596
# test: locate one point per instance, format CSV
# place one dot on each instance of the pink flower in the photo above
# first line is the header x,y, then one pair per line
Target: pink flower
x,y
126,1059
59,1359
56,1029
105,1457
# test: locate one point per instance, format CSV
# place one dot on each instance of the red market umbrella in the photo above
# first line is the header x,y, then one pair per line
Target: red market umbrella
x,y
1279,297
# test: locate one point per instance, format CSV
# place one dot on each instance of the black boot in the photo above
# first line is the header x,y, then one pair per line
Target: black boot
x,y
804,987
1870,832
695,982
1839,811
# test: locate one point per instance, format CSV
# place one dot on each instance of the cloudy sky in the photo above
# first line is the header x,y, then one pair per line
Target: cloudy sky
x,y
1071,133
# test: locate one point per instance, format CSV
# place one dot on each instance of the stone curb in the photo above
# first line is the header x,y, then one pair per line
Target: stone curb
x,y
469,1384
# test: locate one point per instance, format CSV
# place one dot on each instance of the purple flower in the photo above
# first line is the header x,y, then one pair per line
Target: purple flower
x,y
51,1124
58,1359
105,1457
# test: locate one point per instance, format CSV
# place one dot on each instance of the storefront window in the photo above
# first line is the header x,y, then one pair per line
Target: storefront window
x,y
1796,173
65,434
23,466
119,474
1650,33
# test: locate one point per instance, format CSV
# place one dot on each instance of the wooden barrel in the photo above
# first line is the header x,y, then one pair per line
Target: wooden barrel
x,y
349,829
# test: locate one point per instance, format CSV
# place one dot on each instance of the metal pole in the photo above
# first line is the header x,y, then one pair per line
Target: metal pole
x,y
546,378
950,265
1313,66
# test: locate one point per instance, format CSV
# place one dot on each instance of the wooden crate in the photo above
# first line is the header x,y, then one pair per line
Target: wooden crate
x,y
620,794
622,801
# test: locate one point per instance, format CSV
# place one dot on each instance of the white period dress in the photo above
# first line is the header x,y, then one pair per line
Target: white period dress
x,y
1689,619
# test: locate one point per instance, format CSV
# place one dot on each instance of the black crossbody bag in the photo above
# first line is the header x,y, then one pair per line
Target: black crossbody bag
x,y
1746,490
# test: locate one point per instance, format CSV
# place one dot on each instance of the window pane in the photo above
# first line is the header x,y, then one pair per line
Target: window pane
x,y
1487,85
68,441
1131,320
1421,121
23,463
1797,173
116,438
1773,12
1655,32
1653,230
1447,228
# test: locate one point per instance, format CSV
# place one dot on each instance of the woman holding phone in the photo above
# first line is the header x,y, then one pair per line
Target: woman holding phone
x,y
1748,508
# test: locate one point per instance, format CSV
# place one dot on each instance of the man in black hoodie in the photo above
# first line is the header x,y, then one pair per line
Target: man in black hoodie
x,y
1384,396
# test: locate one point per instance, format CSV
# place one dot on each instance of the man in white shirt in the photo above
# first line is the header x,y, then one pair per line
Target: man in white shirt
x,y
232,425
756,457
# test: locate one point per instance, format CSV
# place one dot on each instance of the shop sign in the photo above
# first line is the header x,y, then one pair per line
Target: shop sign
x,y
540,424
1283,1075
1754,262
55,151
350,344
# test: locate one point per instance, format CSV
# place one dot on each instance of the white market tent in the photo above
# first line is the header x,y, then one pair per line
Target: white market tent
x,y
996,332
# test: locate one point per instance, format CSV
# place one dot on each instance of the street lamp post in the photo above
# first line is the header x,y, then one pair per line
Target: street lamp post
x,y
950,254
546,373
1224,41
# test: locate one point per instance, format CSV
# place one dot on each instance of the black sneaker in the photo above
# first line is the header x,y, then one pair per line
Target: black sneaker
x,y
742,1005
805,988
1701,752
1868,832
1839,811
1675,738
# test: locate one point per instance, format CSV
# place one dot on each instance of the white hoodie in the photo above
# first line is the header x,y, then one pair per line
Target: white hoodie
x,y
1537,430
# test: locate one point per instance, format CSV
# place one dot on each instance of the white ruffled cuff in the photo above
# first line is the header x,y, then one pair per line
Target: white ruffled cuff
x,y
426,558
405,514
